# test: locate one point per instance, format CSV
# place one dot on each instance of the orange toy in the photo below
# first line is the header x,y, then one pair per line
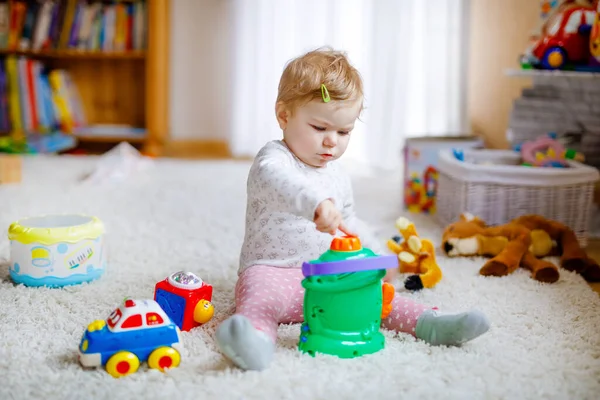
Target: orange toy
x,y
416,256
388,295
522,242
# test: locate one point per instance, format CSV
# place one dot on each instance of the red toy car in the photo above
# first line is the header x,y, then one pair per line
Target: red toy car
x,y
595,39
565,38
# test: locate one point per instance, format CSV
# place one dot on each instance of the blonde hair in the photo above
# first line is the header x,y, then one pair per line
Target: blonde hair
x,y
302,77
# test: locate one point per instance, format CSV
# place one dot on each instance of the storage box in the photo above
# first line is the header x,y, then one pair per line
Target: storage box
x,y
494,186
420,168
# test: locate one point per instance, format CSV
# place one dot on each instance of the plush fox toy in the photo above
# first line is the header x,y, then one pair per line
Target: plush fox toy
x,y
522,242
415,256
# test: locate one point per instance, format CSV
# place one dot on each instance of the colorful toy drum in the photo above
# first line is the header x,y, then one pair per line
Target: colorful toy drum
x,y
56,250
343,300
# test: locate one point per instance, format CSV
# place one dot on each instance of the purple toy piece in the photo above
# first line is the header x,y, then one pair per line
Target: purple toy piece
x,y
356,265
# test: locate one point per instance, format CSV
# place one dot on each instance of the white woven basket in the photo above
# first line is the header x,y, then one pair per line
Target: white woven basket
x,y
492,185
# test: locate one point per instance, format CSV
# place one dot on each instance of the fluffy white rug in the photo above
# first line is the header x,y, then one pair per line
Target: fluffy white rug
x,y
544,342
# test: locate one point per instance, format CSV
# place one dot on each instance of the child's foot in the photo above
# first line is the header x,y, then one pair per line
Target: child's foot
x,y
243,344
450,329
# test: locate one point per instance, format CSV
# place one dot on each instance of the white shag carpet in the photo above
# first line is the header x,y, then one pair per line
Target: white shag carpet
x,y
544,341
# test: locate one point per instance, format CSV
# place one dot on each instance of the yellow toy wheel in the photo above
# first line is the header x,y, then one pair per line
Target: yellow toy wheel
x,y
164,357
122,363
554,58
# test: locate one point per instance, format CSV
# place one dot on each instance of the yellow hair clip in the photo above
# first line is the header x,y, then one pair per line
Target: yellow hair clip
x,y
325,93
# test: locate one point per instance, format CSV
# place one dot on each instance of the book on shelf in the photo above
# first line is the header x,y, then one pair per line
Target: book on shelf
x,y
84,25
35,99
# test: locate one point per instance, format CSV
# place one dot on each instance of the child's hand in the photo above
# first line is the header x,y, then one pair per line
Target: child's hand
x,y
329,219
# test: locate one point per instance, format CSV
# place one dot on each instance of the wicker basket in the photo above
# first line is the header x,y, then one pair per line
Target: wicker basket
x,y
492,185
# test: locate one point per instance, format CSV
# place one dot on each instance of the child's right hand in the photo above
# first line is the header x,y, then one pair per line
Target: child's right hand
x,y
329,219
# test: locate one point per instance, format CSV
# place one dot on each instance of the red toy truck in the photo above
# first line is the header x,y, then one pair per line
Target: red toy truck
x,y
565,39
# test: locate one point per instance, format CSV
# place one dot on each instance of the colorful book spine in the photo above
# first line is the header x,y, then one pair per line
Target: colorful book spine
x,y
73,24
4,115
36,101
12,74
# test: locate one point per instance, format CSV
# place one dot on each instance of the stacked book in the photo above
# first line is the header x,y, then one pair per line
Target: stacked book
x,y
568,106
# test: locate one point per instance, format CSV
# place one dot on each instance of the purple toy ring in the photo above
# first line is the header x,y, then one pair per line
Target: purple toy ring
x,y
356,265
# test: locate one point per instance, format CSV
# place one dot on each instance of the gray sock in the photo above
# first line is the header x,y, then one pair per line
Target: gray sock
x,y
243,344
450,329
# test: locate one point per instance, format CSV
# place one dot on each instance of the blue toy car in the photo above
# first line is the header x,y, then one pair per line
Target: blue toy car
x,y
137,331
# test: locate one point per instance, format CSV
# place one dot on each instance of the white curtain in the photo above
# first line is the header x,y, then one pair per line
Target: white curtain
x,y
411,54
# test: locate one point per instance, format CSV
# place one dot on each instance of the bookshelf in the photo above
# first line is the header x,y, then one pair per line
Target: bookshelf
x,y
121,80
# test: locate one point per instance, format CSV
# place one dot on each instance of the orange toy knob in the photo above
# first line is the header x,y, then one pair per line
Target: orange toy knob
x,y
388,296
346,243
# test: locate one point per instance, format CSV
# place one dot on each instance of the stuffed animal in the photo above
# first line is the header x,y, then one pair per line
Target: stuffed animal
x,y
416,256
521,242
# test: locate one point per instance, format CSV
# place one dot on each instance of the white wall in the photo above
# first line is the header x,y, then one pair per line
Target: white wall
x,y
200,65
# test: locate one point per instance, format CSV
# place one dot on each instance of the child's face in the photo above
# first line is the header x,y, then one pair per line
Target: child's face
x,y
319,132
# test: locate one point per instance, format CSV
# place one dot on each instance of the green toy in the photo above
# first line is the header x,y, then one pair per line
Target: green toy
x,y
344,300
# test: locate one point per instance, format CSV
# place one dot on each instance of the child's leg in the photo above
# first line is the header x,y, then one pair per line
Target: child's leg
x,y
269,295
265,296
428,324
404,315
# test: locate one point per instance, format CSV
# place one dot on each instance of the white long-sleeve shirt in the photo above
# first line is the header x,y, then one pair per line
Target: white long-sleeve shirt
x,y
282,196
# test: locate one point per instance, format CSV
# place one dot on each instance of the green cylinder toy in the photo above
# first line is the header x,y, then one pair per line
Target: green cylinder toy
x,y
343,300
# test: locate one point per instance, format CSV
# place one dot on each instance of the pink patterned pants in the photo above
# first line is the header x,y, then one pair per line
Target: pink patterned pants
x,y
268,296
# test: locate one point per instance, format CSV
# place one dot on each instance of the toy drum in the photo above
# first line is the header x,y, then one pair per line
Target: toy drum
x,y
343,300
56,250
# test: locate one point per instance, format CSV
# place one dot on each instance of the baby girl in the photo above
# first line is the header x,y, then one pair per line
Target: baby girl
x,y
299,198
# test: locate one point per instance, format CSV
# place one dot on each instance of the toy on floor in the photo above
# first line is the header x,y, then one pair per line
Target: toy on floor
x,y
521,242
345,300
186,299
56,250
420,193
10,169
416,256
547,152
136,331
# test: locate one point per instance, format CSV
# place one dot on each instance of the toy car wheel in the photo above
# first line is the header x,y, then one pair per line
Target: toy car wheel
x,y
554,58
122,363
164,357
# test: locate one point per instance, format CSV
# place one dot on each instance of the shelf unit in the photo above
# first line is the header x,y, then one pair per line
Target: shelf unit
x,y
578,82
533,73
122,87
78,54
564,102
